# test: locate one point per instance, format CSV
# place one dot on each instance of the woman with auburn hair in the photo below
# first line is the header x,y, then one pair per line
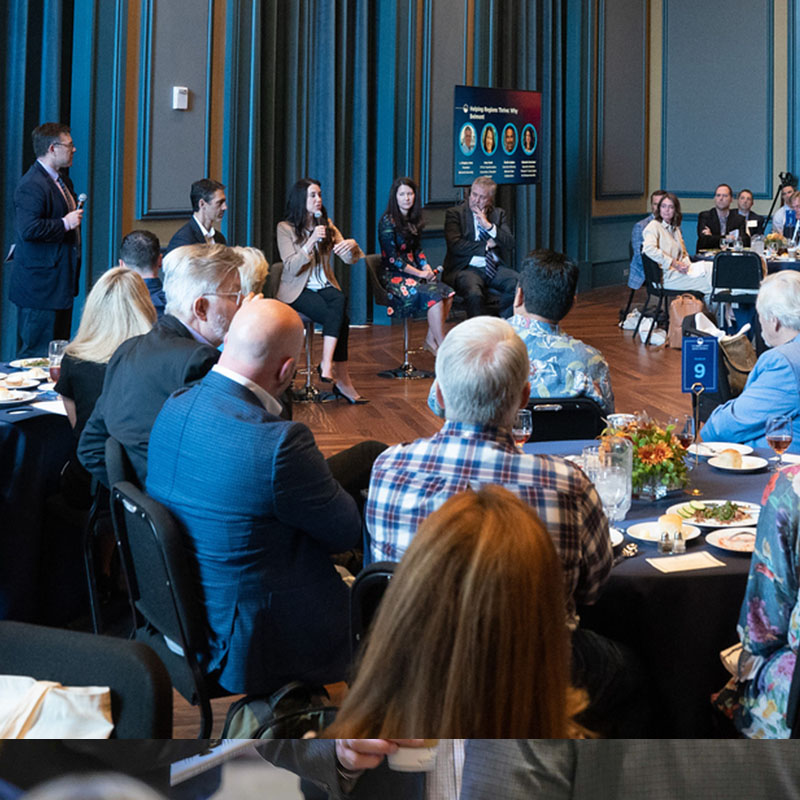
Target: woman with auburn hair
x,y
470,640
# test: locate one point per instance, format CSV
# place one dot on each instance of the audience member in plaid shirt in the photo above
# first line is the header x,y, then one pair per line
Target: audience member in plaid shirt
x,y
482,379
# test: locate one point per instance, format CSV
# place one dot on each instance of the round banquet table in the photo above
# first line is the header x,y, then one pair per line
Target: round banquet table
x,y
34,446
677,622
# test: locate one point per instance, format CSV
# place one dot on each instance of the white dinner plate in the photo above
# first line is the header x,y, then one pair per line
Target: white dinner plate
x,y
13,387
27,363
36,374
707,449
46,387
752,509
734,540
788,458
616,538
749,464
17,398
651,532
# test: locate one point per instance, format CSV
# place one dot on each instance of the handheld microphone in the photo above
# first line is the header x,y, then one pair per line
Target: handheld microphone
x,y
82,198
317,218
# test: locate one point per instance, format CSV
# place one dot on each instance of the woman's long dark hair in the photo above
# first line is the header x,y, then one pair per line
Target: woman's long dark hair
x,y
678,217
411,225
296,211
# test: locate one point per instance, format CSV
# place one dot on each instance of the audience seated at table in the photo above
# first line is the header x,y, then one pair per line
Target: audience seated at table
x,y
663,242
720,221
254,269
482,379
261,509
779,221
203,291
769,623
560,365
773,386
141,252
471,637
117,308
791,231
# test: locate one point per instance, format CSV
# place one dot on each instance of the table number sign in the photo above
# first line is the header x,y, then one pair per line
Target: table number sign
x,y
699,363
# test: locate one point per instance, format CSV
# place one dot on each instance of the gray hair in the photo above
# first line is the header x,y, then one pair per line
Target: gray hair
x,y
481,368
254,269
779,298
194,270
99,786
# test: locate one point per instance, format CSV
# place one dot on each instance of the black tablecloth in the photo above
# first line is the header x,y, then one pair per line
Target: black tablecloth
x,y
676,622
34,445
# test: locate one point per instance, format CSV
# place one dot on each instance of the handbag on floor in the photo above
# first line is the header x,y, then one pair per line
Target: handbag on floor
x,y
682,306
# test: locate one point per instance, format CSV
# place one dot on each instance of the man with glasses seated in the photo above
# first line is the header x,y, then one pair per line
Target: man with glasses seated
x,y
202,287
47,252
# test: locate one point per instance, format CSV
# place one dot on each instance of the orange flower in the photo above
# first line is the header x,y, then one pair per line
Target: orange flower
x,y
655,453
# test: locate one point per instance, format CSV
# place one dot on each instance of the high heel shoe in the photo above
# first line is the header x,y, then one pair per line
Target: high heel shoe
x,y
321,376
354,401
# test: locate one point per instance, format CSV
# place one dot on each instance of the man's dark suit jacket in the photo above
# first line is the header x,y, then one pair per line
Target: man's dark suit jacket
x,y
459,233
142,374
710,219
190,233
46,257
759,229
262,514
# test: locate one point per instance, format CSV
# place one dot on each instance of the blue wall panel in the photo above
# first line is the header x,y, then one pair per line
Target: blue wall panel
x,y
717,99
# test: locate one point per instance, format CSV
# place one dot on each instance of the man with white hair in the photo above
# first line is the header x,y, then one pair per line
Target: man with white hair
x,y
262,516
773,387
203,291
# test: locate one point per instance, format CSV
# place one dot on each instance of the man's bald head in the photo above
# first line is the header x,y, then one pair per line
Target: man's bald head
x,y
264,343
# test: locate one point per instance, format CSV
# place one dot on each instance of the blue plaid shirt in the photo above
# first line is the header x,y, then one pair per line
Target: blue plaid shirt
x,y
636,274
410,481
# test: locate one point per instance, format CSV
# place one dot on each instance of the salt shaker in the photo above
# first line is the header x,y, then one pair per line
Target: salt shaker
x,y
665,543
678,543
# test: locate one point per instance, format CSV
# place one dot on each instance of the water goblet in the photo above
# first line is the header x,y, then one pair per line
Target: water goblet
x,y
523,427
55,353
779,435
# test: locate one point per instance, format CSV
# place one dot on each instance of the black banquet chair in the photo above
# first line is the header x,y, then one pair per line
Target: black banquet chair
x,y
365,597
557,418
163,594
141,690
733,274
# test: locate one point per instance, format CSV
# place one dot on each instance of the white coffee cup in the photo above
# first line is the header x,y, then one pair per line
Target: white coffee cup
x,y
414,759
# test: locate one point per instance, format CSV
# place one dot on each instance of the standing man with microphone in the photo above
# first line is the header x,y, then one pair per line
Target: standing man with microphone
x,y
47,252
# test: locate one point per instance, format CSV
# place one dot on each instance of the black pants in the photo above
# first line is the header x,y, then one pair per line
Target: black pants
x,y
328,308
471,284
352,468
37,327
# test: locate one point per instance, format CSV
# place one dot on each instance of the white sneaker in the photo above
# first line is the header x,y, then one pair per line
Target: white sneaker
x,y
659,336
631,321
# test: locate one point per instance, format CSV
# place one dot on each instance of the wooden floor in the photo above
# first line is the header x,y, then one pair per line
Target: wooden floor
x,y
643,379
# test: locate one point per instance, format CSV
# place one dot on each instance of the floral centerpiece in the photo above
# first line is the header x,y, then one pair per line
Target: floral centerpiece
x,y
774,241
658,457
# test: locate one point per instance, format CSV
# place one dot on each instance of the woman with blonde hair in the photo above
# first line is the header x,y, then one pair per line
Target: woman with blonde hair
x,y
470,640
117,308
254,269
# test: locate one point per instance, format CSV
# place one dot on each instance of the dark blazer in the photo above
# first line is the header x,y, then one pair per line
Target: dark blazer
x,y
190,233
459,233
143,372
710,219
46,257
759,230
262,514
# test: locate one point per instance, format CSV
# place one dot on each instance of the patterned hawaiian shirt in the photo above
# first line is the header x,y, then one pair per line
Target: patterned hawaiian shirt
x,y
410,481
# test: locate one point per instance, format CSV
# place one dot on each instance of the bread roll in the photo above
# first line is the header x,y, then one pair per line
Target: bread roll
x,y
731,458
670,523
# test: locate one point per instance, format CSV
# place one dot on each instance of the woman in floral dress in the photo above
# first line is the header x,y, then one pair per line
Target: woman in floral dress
x,y
769,622
408,278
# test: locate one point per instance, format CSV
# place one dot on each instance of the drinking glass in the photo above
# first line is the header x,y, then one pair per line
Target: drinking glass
x,y
723,242
779,435
523,427
613,487
55,352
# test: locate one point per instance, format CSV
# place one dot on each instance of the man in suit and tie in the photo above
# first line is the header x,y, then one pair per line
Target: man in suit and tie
x,y
719,221
261,510
208,207
753,223
479,243
46,253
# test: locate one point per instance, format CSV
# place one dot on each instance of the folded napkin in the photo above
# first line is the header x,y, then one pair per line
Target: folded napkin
x,y
704,324
53,406
691,561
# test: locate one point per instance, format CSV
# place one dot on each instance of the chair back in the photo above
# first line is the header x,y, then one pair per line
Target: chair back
x,y
273,280
373,261
118,464
556,418
653,276
737,271
164,592
141,691
365,597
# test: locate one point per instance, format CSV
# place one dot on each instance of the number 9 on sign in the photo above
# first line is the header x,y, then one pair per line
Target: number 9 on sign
x,y
699,371
699,363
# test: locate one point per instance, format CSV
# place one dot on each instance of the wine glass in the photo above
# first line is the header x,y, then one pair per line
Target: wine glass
x,y
779,435
523,427
55,352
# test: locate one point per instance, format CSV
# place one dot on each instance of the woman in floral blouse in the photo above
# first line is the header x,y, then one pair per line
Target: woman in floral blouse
x,y
409,280
769,622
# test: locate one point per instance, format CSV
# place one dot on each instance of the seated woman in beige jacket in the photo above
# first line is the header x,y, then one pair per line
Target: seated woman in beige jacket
x,y
663,242
306,239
